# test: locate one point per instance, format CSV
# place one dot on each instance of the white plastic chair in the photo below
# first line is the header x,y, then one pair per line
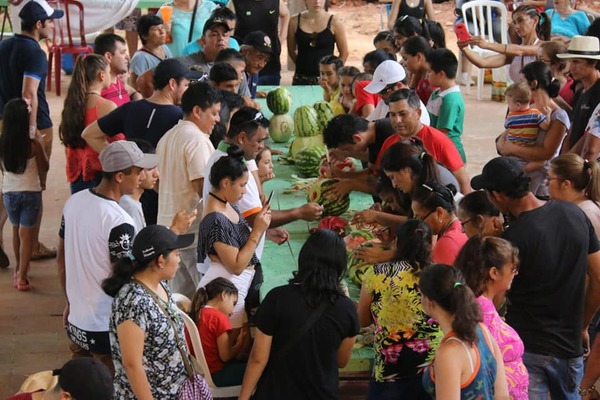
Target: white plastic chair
x,y
182,301
481,15
217,391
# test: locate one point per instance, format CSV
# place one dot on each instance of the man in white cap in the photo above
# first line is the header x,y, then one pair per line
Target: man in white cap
x,y
388,77
584,56
23,71
95,232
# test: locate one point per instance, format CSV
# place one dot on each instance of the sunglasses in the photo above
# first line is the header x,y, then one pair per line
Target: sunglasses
x,y
387,89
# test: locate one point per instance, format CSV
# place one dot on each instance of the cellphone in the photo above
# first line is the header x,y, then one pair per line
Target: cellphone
x,y
461,32
270,196
196,205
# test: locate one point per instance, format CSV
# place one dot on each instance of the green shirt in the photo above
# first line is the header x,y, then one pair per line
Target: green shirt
x,y
447,111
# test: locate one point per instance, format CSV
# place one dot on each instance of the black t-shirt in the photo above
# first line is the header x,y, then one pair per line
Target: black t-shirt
x,y
261,16
141,120
547,296
22,56
383,130
585,104
309,369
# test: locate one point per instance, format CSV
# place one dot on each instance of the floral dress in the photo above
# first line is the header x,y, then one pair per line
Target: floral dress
x,y
405,337
161,358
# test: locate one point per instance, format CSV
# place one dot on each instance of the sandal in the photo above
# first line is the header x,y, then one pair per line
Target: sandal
x,y
15,280
24,287
43,252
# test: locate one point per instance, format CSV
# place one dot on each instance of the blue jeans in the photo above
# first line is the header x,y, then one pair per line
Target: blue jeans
x,y
23,207
558,376
411,388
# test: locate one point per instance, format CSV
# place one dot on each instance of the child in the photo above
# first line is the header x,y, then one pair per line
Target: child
x,y
346,74
522,127
224,76
211,306
264,161
446,105
24,165
329,81
385,41
365,102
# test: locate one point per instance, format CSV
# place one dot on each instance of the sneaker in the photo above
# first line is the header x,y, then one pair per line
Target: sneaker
x,y
43,252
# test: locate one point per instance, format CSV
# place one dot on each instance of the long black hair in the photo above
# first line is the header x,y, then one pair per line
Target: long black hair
x,y
232,166
445,285
207,293
431,195
543,27
539,72
413,244
403,155
15,144
321,265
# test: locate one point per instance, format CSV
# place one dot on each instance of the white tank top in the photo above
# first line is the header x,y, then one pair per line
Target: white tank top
x,y
28,181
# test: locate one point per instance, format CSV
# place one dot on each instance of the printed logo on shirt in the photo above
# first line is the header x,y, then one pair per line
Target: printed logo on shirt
x,y
271,11
95,342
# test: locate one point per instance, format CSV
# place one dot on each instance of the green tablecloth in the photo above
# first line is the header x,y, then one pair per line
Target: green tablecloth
x,y
277,261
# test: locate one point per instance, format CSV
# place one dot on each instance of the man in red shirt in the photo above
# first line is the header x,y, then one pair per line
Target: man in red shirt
x,y
404,114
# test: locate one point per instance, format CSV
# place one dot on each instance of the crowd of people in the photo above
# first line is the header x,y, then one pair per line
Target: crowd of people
x,y
487,287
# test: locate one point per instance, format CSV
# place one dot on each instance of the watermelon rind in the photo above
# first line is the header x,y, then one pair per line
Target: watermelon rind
x,y
308,161
324,114
332,206
301,143
281,128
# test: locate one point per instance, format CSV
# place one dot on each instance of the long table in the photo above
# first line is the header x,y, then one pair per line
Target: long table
x,y
277,261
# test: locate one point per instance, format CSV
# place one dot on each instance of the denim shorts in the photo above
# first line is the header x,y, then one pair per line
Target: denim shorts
x,y
23,207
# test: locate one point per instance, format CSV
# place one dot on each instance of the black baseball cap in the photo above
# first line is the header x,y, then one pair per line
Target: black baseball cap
x,y
260,41
39,10
213,22
173,69
501,174
246,115
155,240
86,378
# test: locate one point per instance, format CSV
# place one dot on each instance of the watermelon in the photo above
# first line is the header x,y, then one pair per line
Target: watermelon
x,y
348,164
306,121
318,193
309,160
301,143
281,128
279,101
324,114
355,269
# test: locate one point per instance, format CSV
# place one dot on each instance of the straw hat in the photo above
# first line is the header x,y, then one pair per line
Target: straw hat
x,y
582,47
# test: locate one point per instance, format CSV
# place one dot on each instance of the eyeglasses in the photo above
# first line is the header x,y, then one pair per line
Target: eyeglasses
x,y
387,89
465,222
426,215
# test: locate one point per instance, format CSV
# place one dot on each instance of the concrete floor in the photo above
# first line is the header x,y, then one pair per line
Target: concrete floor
x,y
31,335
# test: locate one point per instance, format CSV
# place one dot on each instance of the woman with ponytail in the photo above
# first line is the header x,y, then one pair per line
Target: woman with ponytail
x,y
211,306
544,88
305,330
577,181
468,363
405,338
84,105
531,27
489,265
145,329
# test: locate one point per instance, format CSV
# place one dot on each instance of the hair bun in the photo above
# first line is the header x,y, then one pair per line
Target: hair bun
x,y
235,151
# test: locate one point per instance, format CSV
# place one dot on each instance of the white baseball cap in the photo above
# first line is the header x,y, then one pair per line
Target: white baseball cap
x,y
124,154
386,73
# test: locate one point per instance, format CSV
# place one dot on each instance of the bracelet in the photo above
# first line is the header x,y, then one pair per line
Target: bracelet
x,y
586,392
250,238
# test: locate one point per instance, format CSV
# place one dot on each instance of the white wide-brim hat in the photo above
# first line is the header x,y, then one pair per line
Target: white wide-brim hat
x,y
582,47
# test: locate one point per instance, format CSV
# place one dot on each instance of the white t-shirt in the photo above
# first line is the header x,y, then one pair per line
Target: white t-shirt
x,y
593,126
250,204
134,209
183,153
382,109
96,232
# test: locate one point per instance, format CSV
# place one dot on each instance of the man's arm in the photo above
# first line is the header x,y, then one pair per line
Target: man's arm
x,y
592,294
29,93
284,21
94,136
463,180
591,149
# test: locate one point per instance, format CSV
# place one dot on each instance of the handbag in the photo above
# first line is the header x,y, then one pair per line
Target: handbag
x,y
195,387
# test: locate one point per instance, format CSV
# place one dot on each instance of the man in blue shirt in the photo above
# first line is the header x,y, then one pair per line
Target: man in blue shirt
x,y
23,70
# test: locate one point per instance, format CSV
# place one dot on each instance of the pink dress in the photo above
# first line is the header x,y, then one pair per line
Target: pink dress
x,y
512,349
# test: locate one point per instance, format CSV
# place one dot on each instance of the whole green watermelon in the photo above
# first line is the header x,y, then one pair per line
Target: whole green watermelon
x,y
301,143
324,114
306,122
279,101
332,206
308,161
281,128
